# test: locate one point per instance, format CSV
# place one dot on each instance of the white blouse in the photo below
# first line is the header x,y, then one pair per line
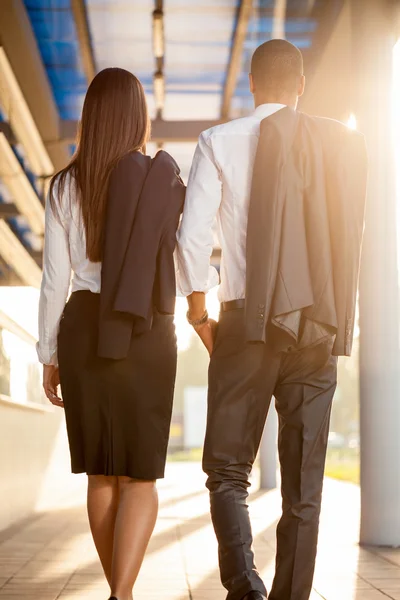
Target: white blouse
x,y
64,252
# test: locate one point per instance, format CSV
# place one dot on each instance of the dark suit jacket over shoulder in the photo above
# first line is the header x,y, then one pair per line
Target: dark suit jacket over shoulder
x,y
145,201
306,221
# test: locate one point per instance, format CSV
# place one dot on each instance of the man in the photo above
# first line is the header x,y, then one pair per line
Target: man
x,y
288,191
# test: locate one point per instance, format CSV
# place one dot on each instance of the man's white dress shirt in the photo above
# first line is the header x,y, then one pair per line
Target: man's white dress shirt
x,y
64,251
219,186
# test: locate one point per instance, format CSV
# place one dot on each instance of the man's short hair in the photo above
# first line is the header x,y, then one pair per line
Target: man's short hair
x,y
277,66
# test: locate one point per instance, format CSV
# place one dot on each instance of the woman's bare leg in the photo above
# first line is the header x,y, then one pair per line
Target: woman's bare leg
x,y
102,504
136,517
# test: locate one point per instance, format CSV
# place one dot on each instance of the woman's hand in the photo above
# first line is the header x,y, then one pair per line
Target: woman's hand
x,y
206,333
197,310
51,381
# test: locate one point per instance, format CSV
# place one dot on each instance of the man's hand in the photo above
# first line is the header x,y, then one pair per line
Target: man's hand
x,y
207,333
51,381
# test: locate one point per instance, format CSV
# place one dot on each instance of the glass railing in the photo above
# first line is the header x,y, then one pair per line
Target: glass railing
x,y
20,372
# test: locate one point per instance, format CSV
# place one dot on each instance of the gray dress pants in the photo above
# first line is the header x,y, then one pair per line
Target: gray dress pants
x,y
242,380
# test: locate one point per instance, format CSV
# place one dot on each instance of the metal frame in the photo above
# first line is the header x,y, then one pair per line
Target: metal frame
x,y
161,131
279,19
8,276
235,61
82,29
20,120
19,43
15,255
22,192
8,210
8,132
8,323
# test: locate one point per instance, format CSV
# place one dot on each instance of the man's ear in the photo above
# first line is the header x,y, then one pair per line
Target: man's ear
x,y
251,83
302,86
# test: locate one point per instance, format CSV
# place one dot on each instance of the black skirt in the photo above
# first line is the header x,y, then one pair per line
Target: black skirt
x,y
118,412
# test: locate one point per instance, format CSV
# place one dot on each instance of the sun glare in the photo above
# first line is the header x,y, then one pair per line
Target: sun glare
x,y
396,102
352,122
184,331
396,130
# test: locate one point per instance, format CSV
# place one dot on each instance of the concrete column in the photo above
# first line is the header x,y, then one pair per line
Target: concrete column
x,y
268,452
373,42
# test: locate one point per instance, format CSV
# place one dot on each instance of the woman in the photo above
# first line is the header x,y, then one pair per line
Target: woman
x,y
112,220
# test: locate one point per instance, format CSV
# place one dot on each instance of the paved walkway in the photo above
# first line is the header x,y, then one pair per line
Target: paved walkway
x,y
52,557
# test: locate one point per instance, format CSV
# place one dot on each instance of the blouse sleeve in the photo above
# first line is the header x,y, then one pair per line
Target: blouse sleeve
x,y
55,284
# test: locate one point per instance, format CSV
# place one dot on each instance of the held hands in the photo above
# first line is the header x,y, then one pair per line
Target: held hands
x,y
198,317
206,333
51,381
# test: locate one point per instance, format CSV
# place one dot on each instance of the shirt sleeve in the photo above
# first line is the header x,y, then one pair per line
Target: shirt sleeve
x,y
195,235
55,284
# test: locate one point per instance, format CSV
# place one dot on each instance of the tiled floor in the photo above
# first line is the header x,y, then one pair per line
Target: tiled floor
x,y
52,557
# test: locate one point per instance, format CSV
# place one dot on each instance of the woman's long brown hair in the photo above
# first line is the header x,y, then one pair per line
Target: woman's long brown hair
x,y
114,123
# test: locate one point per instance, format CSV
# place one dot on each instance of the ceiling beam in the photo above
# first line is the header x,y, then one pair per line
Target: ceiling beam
x,y
235,61
8,323
83,32
16,255
161,131
179,131
8,132
20,120
8,210
279,19
22,192
8,277
19,43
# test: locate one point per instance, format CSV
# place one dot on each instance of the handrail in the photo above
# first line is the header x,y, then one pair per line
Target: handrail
x,y
7,323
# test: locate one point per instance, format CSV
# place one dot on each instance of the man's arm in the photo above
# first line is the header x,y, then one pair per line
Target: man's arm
x,y
195,276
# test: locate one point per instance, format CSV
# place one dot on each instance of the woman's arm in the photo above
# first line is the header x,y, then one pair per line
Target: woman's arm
x,y
55,285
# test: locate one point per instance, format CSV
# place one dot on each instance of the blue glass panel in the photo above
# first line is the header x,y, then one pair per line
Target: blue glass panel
x,y
53,24
200,49
66,78
302,43
55,31
266,25
60,54
47,4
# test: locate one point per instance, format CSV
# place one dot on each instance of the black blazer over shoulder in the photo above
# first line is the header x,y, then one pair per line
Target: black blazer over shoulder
x,y
145,200
306,221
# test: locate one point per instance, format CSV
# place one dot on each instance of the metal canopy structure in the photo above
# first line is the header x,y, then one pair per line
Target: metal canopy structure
x,y
235,61
192,57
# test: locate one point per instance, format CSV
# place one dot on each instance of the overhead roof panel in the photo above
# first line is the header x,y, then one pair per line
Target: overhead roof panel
x,y
54,27
198,35
121,32
303,26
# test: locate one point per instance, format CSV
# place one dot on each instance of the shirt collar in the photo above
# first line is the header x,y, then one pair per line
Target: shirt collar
x,y
266,110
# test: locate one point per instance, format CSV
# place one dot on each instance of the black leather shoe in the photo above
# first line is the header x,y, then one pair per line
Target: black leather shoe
x,y
254,596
